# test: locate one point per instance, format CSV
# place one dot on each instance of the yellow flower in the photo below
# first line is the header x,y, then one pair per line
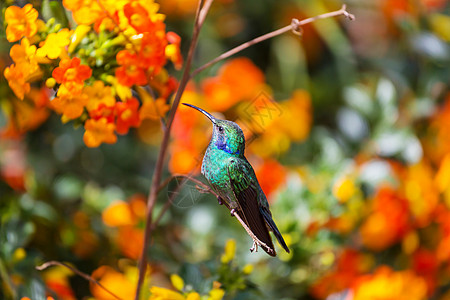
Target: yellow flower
x,y
344,189
440,24
177,282
54,44
230,250
122,91
78,35
21,22
159,293
193,296
19,254
216,294
247,269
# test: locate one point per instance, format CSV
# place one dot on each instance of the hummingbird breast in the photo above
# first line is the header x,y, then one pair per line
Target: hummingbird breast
x,y
215,170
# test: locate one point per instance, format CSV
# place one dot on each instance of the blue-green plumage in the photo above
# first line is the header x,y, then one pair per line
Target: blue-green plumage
x,y
232,177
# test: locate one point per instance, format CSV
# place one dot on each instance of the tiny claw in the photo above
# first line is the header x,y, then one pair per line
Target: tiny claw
x,y
220,200
254,247
233,211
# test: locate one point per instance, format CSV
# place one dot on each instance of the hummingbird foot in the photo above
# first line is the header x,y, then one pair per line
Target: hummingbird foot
x,y
233,211
220,200
254,247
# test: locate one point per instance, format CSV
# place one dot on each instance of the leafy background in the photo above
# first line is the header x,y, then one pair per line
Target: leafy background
x,y
355,163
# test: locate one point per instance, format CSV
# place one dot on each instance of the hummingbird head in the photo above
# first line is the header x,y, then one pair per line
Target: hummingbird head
x,y
227,135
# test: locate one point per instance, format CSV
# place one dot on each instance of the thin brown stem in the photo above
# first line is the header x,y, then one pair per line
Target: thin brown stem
x,y
294,26
76,271
199,18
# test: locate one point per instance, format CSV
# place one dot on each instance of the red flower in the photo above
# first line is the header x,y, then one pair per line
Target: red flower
x,y
127,115
129,72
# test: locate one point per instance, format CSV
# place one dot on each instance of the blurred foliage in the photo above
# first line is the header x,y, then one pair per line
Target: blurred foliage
x,y
348,129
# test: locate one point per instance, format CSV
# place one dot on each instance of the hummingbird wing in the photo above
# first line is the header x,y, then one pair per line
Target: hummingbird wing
x,y
245,190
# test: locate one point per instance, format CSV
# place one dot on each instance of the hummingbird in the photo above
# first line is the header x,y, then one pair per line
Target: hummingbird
x,y
233,179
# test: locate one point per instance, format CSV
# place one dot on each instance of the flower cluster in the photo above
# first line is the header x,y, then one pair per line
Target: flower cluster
x,y
116,47
406,216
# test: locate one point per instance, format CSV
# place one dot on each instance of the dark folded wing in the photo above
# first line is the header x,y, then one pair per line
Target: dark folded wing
x,y
273,227
247,197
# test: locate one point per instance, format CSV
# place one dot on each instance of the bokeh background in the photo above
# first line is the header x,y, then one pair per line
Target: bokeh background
x,y
347,127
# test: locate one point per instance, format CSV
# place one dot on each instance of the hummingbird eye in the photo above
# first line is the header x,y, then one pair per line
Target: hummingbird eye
x,y
220,128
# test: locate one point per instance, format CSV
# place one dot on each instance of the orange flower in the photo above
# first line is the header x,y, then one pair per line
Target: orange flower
x,y
127,115
122,285
130,241
17,79
103,111
278,123
173,49
153,110
71,106
438,143
138,17
421,192
25,55
85,12
238,79
389,221
271,175
27,116
54,45
349,266
71,74
99,131
119,213
21,22
386,284
129,72
98,93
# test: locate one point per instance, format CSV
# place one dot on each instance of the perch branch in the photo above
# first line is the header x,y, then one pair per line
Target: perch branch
x,y
206,189
295,27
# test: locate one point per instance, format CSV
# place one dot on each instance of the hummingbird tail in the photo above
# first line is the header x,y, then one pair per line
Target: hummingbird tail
x,y
267,216
249,212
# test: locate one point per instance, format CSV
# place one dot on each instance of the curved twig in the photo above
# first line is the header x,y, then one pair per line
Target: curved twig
x,y
76,271
294,27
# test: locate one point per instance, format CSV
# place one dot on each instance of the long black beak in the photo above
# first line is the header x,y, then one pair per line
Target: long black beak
x,y
202,111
